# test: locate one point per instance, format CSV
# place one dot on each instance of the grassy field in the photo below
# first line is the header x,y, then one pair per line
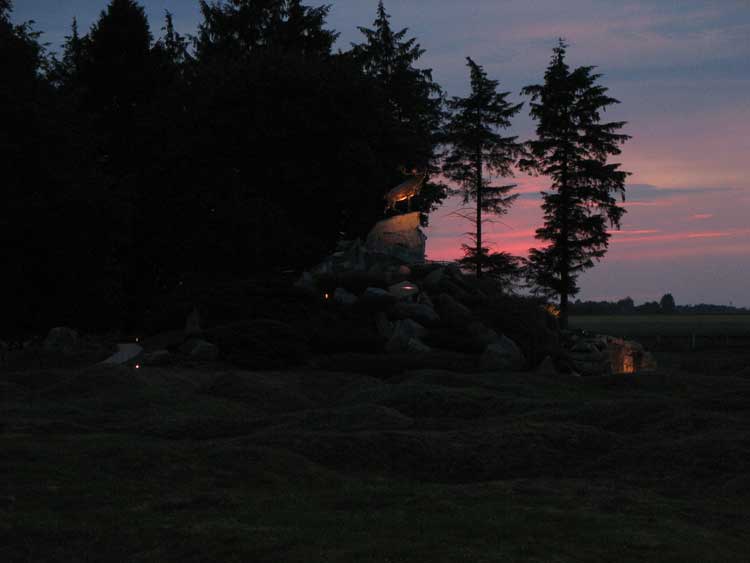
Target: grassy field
x,y
177,464
665,325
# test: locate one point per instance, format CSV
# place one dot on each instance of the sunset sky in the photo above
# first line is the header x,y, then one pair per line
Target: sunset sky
x,y
680,69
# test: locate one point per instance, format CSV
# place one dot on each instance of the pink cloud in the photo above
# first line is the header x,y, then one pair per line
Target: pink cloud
x,y
627,233
657,203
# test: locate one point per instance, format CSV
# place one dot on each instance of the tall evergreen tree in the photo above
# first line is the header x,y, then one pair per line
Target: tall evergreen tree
x,y
290,130
239,28
172,47
572,149
119,69
477,152
413,104
73,54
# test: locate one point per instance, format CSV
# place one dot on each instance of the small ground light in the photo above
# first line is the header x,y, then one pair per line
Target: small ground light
x,y
137,366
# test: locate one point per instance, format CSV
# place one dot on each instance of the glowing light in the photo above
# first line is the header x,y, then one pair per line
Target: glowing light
x,y
326,296
628,364
552,310
137,366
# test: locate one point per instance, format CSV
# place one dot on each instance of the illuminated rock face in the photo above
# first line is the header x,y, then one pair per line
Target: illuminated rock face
x,y
399,237
604,355
628,356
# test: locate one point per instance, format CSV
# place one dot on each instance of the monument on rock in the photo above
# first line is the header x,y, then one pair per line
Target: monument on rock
x,y
400,236
393,241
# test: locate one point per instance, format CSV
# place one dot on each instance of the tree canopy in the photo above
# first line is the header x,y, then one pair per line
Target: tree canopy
x,y
138,160
572,149
413,105
477,150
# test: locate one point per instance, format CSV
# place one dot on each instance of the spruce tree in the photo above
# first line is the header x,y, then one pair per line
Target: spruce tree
x,y
572,149
237,29
119,69
477,152
73,53
413,104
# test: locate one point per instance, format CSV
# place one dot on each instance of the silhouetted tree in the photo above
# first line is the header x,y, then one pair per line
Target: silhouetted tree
x,y
502,267
119,66
478,151
74,52
130,166
172,49
412,103
625,306
572,149
667,304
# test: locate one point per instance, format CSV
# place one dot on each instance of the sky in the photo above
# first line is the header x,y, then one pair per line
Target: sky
x,y
681,70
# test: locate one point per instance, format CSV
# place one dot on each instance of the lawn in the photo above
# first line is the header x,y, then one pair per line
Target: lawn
x,y
177,464
634,326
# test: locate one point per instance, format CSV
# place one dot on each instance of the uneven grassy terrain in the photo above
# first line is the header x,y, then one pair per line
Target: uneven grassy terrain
x,y
195,464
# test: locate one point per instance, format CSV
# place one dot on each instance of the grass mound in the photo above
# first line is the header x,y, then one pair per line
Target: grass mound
x,y
175,464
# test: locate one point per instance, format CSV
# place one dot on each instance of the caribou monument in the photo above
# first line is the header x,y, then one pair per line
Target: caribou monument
x,y
400,236
397,239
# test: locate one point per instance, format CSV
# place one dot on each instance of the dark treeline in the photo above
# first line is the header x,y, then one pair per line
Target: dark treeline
x,y
136,164
665,306
136,159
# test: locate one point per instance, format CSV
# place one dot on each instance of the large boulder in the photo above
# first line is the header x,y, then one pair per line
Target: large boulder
x,y
344,298
482,334
61,340
407,337
199,349
157,358
626,356
399,237
404,290
593,355
127,353
376,299
433,279
204,351
502,355
454,313
422,313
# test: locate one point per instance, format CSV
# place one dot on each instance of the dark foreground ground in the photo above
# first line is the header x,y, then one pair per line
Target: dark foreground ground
x,y
200,464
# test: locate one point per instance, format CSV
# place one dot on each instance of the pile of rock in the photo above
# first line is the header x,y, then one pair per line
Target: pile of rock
x,y
417,308
392,242
597,354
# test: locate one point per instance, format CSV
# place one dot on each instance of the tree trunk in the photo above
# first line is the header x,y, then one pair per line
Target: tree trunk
x,y
479,216
564,234
563,320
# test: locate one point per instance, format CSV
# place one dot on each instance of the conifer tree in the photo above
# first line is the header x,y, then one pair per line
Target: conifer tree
x,y
412,100
172,46
477,152
73,53
238,28
572,149
119,69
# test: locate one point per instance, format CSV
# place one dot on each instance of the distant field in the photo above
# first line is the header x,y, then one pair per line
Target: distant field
x,y
665,326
